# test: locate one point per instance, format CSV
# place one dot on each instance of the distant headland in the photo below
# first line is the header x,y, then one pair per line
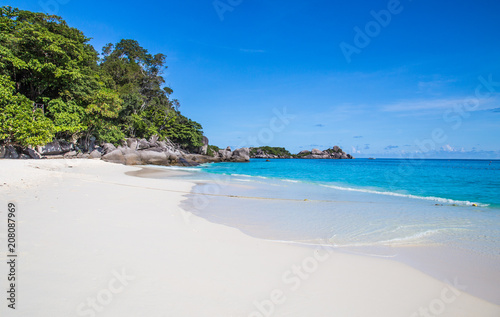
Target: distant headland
x,y
281,153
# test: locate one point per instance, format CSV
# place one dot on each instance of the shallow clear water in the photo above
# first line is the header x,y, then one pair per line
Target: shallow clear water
x,y
352,203
420,213
455,181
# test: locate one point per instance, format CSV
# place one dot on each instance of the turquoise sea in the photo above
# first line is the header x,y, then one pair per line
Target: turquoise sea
x,y
359,202
449,181
440,216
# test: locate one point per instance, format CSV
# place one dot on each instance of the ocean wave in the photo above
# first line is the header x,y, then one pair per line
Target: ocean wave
x,y
415,238
377,192
181,168
431,198
241,175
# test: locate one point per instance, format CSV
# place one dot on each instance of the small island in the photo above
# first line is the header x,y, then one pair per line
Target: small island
x,y
267,152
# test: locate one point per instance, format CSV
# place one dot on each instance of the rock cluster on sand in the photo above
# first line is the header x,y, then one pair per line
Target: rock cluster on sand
x,y
132,151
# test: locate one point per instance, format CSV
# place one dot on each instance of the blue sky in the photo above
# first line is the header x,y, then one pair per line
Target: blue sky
x,y
390,78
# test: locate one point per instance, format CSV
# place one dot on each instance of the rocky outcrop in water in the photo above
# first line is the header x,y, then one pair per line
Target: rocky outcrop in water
x,y
280,153
333,153
268,152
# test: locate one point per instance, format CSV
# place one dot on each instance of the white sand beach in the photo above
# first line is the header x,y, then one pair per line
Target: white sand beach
x,y
94,241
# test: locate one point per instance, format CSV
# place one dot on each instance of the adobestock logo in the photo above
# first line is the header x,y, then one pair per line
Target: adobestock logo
x,y
372,29
276,124
51,7
486,89
293,279
438,305
223,6
94,305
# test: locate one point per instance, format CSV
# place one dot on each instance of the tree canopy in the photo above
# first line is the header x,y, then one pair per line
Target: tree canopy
x,y
53,84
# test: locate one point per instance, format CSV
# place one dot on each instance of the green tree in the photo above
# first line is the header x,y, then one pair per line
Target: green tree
x,y
50,63
19,123
147,107
44,61
105,107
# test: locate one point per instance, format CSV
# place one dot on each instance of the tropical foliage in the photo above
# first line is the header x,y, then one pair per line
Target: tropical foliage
x,y
278,151
53,84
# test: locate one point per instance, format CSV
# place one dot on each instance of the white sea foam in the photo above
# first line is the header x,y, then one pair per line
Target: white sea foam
x,y
181,168
333,247
242,180
431,198
241,175
370,191
412,238
403,240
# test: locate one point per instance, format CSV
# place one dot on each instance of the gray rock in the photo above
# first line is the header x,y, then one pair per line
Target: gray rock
x,y
200,159
241,155
169,154
204,150
31,153
155,158
156,149
108,148
143,144
153,141
131,143
316,152
95,154
337,149
225,154
125,150
3,151
319,156
71,154
11,152
162,145
173,158
184,162
52,148
205,140
114,157
132,159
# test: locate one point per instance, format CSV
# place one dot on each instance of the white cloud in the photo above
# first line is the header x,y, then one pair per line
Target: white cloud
x,y
449,148
425,106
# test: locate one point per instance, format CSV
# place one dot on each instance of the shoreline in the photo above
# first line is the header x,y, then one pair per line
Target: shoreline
x,y
82,221
440,260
